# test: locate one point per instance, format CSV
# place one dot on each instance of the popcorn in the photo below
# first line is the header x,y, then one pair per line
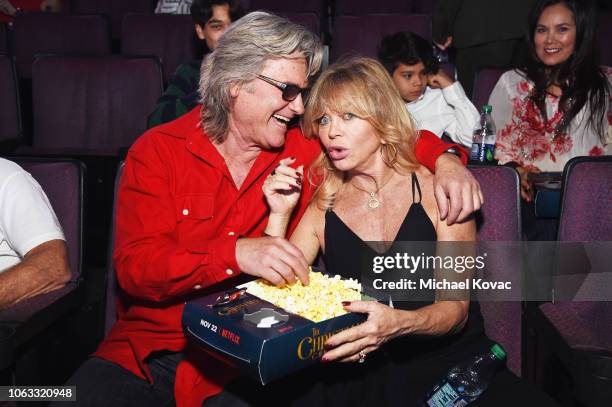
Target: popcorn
x,y
319,301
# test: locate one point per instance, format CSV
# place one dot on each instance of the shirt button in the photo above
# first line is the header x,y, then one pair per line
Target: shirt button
x,y
231,234
197,286
185,212
229,272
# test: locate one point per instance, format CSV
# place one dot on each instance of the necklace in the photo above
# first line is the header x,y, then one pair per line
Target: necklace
x,y
373,201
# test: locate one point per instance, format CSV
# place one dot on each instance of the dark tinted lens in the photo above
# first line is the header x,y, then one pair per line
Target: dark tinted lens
x,y
291,92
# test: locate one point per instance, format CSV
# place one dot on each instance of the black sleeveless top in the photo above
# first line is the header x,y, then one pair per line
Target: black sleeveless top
x,y
349,256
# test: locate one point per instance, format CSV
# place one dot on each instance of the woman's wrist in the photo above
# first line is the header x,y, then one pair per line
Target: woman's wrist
x,y
277,225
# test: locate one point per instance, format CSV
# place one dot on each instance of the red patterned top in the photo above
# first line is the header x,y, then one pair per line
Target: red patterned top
x,y
525,138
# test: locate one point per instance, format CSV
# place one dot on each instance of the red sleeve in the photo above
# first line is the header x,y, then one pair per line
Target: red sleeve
x,y
429,147
151,263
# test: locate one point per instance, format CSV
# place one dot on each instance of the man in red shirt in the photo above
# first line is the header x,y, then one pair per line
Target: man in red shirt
x,y
191,212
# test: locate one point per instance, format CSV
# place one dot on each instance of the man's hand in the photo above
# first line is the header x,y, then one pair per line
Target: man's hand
x,y
274,259
453,182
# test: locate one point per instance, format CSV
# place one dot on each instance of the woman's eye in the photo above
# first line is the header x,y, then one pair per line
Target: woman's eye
x,y
540,30
323,121
348,116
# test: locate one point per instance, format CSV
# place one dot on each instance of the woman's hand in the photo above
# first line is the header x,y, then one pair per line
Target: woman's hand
x,y
527,191
383,324
283,186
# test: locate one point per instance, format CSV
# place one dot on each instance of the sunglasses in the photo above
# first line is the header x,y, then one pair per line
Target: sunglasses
x,y
290,91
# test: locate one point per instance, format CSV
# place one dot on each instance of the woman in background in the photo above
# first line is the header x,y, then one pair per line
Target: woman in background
x,y
559,106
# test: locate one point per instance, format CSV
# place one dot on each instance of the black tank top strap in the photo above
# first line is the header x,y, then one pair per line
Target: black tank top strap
x,y
415,184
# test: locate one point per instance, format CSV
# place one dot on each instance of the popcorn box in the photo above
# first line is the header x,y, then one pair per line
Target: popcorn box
x,y
265,340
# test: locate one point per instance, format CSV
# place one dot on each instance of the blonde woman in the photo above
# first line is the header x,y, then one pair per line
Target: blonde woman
x,y
372,189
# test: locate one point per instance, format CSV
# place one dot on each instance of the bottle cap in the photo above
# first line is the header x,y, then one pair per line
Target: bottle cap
x,y
498,351
487,108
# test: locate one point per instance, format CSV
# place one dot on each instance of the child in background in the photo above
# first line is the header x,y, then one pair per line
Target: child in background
x,y
436,102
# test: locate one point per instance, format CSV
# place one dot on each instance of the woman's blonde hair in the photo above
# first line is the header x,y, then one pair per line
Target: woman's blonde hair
x,y
362,87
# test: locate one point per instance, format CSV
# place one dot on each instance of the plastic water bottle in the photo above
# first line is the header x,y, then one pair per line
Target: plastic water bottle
x,y
465,382
483,142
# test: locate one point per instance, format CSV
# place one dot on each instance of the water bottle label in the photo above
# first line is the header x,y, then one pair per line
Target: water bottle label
x,y
484,153
446,396
474,152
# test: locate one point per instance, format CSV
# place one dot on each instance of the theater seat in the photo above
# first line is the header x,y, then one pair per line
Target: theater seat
x,y
171,38
62,181
358,7
92,105
55,34
499,221
577,333
485,81
361,34
10,114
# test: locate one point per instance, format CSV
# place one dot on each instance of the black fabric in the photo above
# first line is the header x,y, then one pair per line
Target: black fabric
x,y
100,383
400,373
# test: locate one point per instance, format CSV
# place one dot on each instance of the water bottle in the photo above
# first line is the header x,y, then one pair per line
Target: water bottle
x,y
465,382
483,142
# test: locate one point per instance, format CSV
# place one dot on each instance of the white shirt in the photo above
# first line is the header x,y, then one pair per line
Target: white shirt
x,y
173,7
26,216
447,111
525,138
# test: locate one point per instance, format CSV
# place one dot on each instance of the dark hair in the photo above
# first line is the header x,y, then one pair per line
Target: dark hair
x,y
580,78
406,48
201,10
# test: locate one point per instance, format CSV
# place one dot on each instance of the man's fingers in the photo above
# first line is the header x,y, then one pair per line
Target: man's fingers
x,y
442,202
467,203
456,201
294,258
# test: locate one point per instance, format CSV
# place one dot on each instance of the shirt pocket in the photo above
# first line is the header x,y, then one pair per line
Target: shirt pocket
x,y
194,207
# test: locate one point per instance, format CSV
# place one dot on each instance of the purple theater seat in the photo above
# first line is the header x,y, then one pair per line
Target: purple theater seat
x,y
92,105
357,7
62,181
485,81
499,220
579,332
3,39
424,6
282,6
113,9
604,38
361,34
585,204
110,312
10,115
44,34
169,37
308,20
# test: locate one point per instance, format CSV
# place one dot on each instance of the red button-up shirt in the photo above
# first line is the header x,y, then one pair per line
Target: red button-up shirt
x,y
179,215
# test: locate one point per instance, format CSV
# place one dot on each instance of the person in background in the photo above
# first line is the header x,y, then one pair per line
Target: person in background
x,y
211,18
173,6
191,211
8,8
436,102
33,253
484,33
560,105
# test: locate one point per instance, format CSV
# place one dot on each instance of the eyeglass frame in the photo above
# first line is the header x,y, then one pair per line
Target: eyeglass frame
x,y
282,86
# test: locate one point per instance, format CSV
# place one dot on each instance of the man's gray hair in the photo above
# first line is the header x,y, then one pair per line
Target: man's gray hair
x,y
241,53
